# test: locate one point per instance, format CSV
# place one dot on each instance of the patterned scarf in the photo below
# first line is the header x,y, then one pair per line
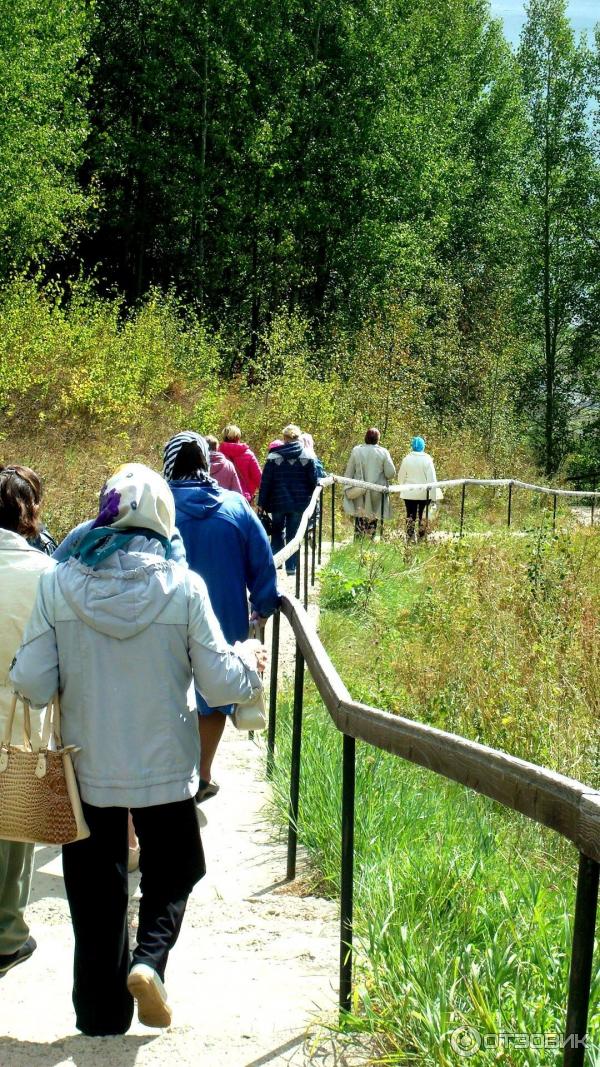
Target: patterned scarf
x,y
171,451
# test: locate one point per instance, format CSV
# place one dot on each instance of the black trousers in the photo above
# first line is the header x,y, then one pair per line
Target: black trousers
x,y
96,881
414,510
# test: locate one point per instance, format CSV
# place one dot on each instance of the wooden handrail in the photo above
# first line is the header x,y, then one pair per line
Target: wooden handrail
x,y
563,804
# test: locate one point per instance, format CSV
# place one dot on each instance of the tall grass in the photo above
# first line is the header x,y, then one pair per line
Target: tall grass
x,y
463,909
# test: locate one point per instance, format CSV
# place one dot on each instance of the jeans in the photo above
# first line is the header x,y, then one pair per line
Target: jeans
x,y
16,864
96,881
285,527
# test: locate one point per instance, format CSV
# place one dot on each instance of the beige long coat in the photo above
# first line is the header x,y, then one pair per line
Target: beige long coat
x,y
369,463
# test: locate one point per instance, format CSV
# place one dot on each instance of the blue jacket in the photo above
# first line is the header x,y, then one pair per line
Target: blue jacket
x,y
226,544
289,479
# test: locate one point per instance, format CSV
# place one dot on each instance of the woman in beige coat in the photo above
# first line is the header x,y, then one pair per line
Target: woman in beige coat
x,y
369,463
21,567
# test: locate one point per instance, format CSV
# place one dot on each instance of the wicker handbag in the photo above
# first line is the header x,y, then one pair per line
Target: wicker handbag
x,y
39,798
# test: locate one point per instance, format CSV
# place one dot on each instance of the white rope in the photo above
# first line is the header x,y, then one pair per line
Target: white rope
x,y
456,482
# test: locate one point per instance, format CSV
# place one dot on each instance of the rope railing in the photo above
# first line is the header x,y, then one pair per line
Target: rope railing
x,y
555,801
455,483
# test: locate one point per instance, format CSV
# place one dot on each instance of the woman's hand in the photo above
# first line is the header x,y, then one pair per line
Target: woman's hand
x,y
258,651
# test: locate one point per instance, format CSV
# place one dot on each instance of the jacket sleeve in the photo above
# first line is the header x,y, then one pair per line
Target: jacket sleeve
x,y
253,473
350,466
312,476
264,494
403,472
261,576
221,672
389,468
34,674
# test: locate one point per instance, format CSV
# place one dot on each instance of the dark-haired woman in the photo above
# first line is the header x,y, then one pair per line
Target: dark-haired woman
x,y
42,539
21,567
369,463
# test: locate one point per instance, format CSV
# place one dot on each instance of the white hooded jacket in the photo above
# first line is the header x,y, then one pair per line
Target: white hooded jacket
x,y
417,468
122,642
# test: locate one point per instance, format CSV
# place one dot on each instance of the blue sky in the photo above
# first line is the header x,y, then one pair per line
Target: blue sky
x,y
583,14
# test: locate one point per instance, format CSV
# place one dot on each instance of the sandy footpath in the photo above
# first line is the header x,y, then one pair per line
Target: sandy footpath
x,y
251,980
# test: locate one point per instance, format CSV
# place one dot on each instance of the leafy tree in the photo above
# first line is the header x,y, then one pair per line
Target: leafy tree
x,y
561,191
43,128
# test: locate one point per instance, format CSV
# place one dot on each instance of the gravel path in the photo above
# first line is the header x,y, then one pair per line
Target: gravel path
x,y
252,979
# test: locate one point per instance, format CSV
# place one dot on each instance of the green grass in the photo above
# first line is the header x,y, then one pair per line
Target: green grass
x,y
463,909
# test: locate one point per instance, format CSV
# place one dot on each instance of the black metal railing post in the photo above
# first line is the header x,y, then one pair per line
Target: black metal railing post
x,y
313,549
382,514
347,881
273,694
306,570
462,508
292,844
427,515
321,503
582,956
298,559
332,516
554,502
509,516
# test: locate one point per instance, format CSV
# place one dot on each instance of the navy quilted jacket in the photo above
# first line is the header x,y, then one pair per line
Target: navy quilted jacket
x,y
289,479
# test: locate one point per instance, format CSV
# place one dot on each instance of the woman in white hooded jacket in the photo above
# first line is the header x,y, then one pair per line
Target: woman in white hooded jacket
x,y
122,629
417,470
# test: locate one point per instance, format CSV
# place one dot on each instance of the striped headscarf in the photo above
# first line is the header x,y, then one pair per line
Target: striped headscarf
x,y
172,449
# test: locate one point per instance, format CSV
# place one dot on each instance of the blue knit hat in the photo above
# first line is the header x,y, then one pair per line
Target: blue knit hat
x,y
417,444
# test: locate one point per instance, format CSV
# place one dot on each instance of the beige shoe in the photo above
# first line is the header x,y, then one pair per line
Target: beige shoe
x,y
146,987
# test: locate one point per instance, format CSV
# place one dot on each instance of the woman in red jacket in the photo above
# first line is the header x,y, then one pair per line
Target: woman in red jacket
x,y
243,459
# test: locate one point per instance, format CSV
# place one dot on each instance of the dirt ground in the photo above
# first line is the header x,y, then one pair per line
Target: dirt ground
x,y
253,978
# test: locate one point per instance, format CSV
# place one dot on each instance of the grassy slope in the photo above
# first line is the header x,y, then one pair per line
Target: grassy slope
x,y
463,909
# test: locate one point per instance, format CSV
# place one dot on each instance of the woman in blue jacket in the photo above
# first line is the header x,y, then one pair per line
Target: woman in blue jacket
x,y
226,544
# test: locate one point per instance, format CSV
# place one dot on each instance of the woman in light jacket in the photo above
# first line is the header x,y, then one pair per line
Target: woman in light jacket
x,y
369,463
21,567
417,469
123,630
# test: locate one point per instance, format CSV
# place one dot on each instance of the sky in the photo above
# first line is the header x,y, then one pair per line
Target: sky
x,y
583,14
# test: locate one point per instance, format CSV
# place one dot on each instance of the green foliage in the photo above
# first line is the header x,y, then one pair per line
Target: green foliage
x,y
43,129
561,196
89,361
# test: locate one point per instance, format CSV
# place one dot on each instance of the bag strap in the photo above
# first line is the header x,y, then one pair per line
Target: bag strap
x,y
53,721
8,726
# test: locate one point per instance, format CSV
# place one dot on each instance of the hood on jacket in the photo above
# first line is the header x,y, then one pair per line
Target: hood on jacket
x,y
234,448
289,450
125,593
197,500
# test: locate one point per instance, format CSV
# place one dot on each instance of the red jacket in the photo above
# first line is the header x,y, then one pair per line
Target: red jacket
x,y
246,465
